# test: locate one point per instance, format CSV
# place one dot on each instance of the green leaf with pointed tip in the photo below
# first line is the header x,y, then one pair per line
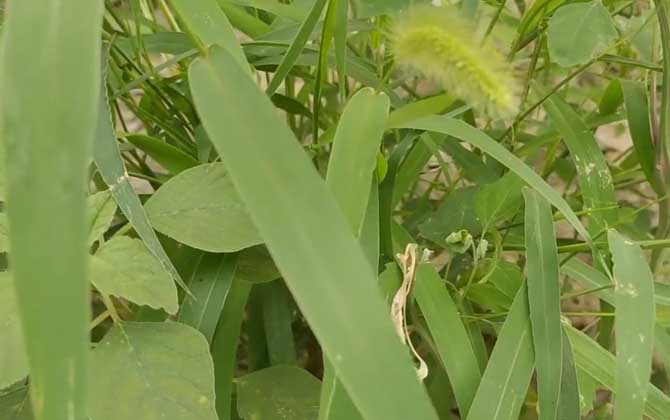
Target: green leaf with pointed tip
x,y
637,114
505,382
634,296
13,360
125,268
152,371
578,32
382,385
544,301
278,392
354,154
101,210
200,208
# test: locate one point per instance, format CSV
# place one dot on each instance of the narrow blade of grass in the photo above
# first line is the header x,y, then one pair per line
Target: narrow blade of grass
x,y
108,159
50,85
296,47
504,385
224,346
544,301
277,319
282,191
469,134
210,287
635,315
451,338
568,403
637,114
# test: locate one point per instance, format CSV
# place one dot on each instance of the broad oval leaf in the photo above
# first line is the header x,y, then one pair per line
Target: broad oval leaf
x,y
578,32
124,267
152,371
101,210
279,392
200,208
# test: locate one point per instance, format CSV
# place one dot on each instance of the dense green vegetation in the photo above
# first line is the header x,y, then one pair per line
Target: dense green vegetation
x,y
335,210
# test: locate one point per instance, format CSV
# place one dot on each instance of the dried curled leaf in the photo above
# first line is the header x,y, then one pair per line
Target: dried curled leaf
x,y
440,44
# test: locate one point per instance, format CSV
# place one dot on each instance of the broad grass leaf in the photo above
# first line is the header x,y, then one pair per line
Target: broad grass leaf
x,y
505,382
634,297
101,210
450,336
13,360
354,154
125,268
50,85
4,233
278,392
544,301
201,209
601,366
152,371
210,285
579,32
281,190
569,400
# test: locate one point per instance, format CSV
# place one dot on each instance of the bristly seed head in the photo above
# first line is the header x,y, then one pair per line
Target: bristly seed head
x,y
442,45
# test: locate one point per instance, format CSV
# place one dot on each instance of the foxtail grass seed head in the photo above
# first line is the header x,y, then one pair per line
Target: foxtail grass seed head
x,y
440,44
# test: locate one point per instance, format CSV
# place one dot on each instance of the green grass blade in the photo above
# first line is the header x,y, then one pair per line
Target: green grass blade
x,y
449,334
469,134
593,175
108,159
637,114
168,156
206,20
353,157
568,403
350,174
296,47
277,319
224,346
504,385
50,86
282,191
210,287
635,315
601,366
544,301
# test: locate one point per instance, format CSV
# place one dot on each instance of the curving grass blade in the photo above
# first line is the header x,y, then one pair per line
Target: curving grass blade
x,y
50,87
333,283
